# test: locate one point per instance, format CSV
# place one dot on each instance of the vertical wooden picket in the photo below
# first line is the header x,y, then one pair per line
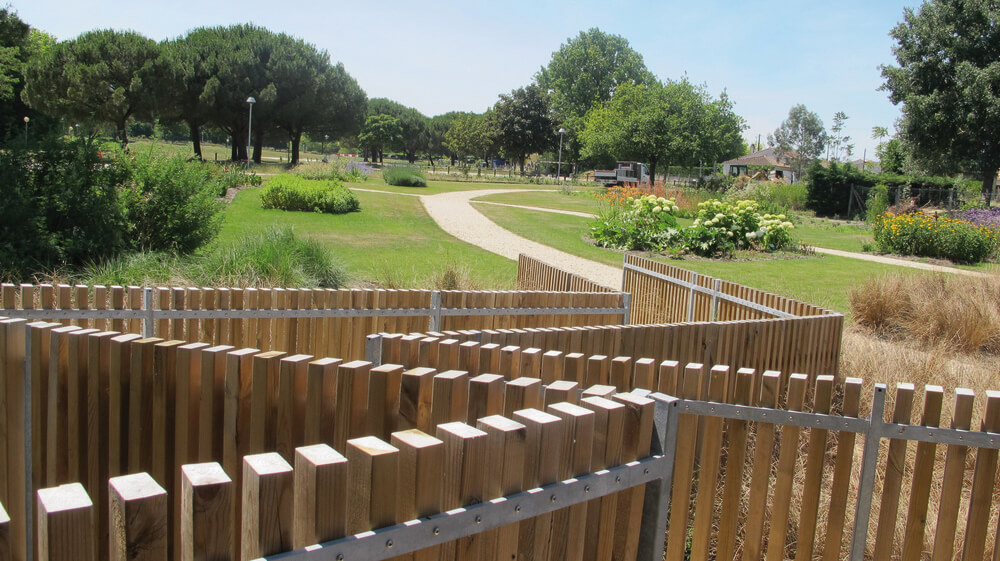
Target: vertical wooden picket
x,y
320,490
207,530
267,501
66,524
139,529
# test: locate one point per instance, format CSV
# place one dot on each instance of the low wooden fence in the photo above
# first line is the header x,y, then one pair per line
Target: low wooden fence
x,y
313,321
666,294
83,405
810,345
533,274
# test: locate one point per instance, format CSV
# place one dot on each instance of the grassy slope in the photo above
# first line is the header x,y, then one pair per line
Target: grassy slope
x,y
391,241
821,280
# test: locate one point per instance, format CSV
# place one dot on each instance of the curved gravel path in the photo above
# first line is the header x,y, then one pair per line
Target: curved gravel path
x,y
455,214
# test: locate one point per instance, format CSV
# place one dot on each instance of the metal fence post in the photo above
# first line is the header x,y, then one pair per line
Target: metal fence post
x,y
373,349
694,282
656,506
148,323
627,304
715,300
869,463
435,323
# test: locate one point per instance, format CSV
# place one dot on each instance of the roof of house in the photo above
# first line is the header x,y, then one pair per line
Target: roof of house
x,y
766,157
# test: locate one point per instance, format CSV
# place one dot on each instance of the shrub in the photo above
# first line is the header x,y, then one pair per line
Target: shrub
x,y
630,220
288,192
60,207
775,197
930,236
170,204
878,203
829,189
340,169
232,176
721,228
404,176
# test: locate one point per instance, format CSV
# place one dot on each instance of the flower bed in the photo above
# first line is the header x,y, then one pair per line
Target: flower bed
x,y
931,236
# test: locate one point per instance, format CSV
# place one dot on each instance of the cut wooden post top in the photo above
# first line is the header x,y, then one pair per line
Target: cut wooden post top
x,y
71,496
356,364
372,446
601,402
536,416
208,473
267,464
524,382
136,486
562,385
460,429
486,378
570,409
420,371
500,422
320,454
415,438
451,375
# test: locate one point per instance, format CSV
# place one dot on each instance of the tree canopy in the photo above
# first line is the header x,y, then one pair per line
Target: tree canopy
x,y
413,124
101,77
674,123
380,132
946,81
522,124
469,135
801,135
584,73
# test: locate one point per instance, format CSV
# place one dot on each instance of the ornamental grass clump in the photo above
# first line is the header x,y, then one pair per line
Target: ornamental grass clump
x,y
404,176
932,236
289,192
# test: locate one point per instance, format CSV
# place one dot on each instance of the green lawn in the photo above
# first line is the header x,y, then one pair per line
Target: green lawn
x,y
436,186
578,201
820,279
391,242
825,233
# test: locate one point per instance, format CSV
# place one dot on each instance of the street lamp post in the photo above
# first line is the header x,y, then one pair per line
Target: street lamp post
x,y
251,101
562,131
26,119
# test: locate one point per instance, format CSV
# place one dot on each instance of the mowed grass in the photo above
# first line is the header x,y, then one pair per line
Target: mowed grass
x,y
823,280
825,233
435,187
578,201
391,242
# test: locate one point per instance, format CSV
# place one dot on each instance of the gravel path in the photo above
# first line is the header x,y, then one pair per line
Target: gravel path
x,y
900,262
455,214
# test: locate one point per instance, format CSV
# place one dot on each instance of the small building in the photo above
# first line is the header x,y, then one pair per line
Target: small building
x,y
764,164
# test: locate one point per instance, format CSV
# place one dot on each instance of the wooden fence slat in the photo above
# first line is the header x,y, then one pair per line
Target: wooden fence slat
x,y
953,479
267,503
895,465
842,474
372,483
709,467
384,386
560,391
291,404
66,524
760,478
637,436
608,426
822,399
982,484
486,396
139,531
797,386
522,393
207,531
421,457
450,397
352,401
544,444
733,489
923,470
570,525
415,395
505,449
463,482
320,490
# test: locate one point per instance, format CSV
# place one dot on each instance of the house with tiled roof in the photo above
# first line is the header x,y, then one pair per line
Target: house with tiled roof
x,y
763,164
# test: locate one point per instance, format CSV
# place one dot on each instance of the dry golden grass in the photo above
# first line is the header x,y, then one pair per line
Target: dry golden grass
x,y
959,312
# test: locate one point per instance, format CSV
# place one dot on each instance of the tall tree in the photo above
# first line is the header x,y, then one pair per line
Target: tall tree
x,y
413,123
584,73
469,135
380,132
949,63
839,143
101,77
800,136
721,134
437,131
652,123
521,123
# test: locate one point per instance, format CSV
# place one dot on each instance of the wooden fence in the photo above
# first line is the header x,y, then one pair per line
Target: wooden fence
x,y
809,345
307,321
663,293
533,274
83,405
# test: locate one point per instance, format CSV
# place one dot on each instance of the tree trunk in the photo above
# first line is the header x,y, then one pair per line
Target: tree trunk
x,y
411,157
124,133
652,173
987,191
195,138
381,156
296,140
258,146
520,160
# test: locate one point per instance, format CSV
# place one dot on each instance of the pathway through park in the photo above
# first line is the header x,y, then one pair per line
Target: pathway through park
x,y
454,213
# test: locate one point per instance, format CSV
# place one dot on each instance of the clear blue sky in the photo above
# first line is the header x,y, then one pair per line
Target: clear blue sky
x,y
440,56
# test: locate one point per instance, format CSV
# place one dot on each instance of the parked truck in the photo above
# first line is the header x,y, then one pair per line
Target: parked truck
x,y
625,172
